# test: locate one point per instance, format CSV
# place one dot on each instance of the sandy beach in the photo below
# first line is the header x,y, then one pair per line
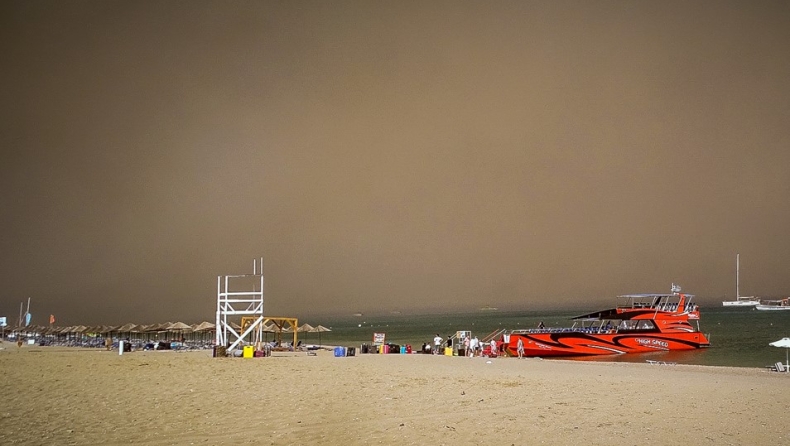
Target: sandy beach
x,y
87,396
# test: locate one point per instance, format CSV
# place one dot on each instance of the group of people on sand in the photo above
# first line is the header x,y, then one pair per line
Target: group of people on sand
x,y
471,346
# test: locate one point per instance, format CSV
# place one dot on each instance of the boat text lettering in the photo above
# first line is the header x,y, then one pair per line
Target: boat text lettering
x,y
652,342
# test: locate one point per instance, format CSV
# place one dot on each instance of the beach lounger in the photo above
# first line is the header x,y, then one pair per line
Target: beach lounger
x,y
780,367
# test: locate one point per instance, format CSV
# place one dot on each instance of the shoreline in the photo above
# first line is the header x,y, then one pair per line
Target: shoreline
x,y
329,350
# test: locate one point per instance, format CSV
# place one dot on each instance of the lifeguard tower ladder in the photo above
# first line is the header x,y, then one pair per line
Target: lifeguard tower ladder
x,y
234,298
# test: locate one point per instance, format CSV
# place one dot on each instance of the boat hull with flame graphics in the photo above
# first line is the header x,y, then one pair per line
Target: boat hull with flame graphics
x,y
640,323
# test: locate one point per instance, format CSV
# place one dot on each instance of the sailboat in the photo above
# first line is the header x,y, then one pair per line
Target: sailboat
x,y
740,301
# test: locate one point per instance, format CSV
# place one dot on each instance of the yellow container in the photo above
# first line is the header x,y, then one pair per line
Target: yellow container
x,y
249,351
448,351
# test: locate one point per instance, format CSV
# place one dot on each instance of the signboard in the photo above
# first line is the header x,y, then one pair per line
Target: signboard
x,y
378,338
3,322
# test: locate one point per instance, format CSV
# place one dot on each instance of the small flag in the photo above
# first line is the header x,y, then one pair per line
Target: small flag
x,y
51,319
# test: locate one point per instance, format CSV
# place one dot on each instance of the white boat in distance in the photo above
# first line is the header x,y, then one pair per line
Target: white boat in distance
x,y
740,301
775,305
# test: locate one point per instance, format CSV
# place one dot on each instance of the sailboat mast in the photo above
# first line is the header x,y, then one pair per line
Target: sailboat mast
x,y
737,276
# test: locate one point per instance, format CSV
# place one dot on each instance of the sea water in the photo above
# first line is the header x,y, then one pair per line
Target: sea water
x,y
739,337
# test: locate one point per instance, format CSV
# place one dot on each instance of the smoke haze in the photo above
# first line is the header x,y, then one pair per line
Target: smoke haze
x,y
389,156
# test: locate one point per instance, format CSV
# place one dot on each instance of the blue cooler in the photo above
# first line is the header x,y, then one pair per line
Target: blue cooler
x,y
340,352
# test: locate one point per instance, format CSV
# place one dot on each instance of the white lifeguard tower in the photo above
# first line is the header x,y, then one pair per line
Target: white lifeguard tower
x,y
240,295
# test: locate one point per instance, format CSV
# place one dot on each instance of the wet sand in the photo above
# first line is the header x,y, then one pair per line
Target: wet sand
x,y
77,396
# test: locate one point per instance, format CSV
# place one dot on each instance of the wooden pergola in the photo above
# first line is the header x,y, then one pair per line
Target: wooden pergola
x,y
283,324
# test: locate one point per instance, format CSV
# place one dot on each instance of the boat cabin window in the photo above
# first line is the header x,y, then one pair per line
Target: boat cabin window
x,y
645,325
636,325
627,325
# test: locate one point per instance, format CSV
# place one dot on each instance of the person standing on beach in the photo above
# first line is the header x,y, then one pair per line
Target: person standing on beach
x,y
108,343
437,344
474,344
520,348
494,353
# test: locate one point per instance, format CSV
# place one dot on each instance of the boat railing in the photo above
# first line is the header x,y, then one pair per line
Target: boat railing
x,y
496,334
588,330
663,306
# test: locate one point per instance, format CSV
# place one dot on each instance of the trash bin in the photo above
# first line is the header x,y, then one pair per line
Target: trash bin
x,y
351,351
408,348
461,351
219,351
448,351
340,352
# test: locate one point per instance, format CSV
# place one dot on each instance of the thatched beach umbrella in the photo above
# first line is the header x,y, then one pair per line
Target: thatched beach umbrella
x,y
319,329
204,326
126,328
156,329
180,328
96,330
202,329
266,329
305,328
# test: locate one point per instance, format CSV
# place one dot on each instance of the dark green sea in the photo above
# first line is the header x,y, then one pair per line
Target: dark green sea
x,y
739,337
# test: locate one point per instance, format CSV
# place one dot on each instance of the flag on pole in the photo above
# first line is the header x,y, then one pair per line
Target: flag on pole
x,y
51,319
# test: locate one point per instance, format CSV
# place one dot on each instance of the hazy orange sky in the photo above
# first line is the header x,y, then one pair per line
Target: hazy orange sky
x,y
382,156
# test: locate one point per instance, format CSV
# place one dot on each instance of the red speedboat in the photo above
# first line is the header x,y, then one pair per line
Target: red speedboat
x,y
640,323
